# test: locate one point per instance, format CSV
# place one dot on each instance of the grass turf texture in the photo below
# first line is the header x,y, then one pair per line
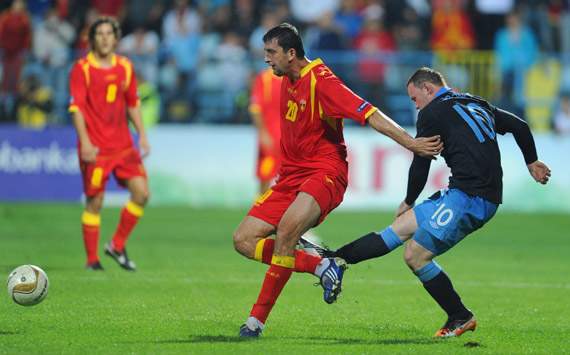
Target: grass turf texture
x,y
192,291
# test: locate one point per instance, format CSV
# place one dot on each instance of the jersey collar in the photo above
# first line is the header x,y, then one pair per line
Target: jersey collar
x,y
94,62
307,68
442,91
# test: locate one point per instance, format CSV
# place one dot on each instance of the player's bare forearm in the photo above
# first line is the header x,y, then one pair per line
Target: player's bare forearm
x,y
136,118
87,151
426,147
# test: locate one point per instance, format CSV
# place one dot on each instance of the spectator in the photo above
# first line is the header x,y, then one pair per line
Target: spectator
x,y
34,103
371,44
349,19
516,49
15,40
489,16
451,27
51,46
82,43
269,20
562,117
308,12
141,46
180,21
325,35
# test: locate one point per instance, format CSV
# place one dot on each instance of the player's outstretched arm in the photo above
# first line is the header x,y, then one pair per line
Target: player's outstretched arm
x,y
422,146
539,171
135,117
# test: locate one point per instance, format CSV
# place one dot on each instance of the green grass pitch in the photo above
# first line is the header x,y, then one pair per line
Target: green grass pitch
x,y
192,291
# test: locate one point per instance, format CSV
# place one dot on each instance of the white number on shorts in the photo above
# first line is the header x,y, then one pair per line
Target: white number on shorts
x,y
442,216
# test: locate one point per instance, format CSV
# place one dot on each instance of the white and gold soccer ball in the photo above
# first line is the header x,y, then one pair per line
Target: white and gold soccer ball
x,y
28,285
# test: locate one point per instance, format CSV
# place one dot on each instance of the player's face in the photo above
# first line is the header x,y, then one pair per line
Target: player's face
x,y
419,95
277,58
105,40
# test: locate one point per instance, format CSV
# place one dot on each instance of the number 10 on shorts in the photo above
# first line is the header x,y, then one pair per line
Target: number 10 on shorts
x,y
442,216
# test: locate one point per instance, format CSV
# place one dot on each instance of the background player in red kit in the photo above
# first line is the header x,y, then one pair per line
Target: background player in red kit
x,y
264,109
314,171
103,90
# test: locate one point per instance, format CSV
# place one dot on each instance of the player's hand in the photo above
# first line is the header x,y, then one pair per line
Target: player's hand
x,y
144,146
427,147
403,208
539,171
88,152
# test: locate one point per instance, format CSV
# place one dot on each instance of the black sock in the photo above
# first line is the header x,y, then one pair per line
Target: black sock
x,y
441,290
367,247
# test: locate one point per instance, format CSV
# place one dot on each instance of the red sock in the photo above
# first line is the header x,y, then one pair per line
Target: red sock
x,y
275,279
264,250
130,215
304,262
90,227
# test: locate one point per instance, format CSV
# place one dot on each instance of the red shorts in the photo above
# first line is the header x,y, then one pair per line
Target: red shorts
x,y
267,165
124,165
327,189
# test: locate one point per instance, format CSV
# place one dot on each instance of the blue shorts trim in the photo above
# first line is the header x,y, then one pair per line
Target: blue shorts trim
x,y
449,216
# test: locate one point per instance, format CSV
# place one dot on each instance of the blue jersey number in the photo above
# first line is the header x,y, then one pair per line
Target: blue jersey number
x,y
478,119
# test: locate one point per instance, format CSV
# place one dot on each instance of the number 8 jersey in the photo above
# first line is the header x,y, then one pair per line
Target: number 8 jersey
x,y
102,95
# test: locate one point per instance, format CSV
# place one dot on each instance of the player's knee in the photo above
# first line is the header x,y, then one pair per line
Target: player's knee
x,y
242,244
411,258
94,204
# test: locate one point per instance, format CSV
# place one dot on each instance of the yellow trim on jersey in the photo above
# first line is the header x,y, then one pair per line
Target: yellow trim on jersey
x,y
73,108
313,89
370,112
91,59
124,62
284,261
85,67
90,219
134,209
258,255
307,68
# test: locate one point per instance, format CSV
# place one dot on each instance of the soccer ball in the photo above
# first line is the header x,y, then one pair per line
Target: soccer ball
x,y
28,285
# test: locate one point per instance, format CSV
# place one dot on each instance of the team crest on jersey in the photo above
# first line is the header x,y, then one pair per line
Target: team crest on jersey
x,y
303,105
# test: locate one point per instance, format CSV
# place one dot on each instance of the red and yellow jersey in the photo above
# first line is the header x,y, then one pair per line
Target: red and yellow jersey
x,y
312,110
264,100
102,95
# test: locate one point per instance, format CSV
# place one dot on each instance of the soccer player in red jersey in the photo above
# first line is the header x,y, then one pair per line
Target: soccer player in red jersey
x,y
103,90
264,110
314,172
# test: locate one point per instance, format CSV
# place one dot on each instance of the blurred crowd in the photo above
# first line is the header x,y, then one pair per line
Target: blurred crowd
x,y
195,60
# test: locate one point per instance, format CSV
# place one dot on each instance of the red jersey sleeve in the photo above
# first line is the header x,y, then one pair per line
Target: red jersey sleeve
x,y
338,101
256,97
77,88
131,93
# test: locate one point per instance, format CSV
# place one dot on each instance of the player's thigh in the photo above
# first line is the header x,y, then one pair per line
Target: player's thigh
x,y
301,215
249,232
127,166
95,176
405,225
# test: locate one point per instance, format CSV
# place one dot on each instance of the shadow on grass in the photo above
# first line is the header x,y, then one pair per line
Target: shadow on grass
x,y
7,332
307,340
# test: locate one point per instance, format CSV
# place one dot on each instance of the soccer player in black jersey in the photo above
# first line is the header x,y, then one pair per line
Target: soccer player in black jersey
x,y
468,126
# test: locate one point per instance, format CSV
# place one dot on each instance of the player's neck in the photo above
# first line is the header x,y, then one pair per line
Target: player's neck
x,y
104,61
297,67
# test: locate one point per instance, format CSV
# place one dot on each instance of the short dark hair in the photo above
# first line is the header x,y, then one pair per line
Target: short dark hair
x,y
425,74
101,20
287,37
